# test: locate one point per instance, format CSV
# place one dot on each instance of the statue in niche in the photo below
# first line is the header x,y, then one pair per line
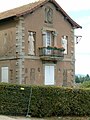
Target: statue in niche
x,y
31,43
64,43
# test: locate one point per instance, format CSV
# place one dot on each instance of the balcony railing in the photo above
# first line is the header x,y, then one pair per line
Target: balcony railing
x,y
51,52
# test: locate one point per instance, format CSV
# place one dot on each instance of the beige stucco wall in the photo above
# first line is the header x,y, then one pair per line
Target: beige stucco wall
x,y
36,22
8,47
7,38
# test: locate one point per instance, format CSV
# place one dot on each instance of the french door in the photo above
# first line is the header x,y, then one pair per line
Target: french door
x,y
47,42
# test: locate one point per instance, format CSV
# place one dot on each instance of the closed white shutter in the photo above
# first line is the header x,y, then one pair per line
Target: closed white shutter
x,y
4,74
49,75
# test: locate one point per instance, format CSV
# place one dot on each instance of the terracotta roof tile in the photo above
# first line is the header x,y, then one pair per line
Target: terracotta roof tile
x,y
33,6
20,10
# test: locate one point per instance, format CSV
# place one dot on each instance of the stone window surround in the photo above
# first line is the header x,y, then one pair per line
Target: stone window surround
x,y
54,33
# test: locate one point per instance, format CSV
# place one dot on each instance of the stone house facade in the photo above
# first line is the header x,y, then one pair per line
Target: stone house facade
x,y
37,45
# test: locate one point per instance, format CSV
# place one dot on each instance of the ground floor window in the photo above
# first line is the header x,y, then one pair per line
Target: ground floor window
x,y
4,74
49,75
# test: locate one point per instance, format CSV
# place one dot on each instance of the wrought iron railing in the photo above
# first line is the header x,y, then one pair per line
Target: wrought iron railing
x,y
51,51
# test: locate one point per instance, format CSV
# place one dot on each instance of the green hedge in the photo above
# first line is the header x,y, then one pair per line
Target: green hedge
x,y
45,101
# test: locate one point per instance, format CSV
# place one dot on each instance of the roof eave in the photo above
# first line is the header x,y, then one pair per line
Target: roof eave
x,y
74,24
69,19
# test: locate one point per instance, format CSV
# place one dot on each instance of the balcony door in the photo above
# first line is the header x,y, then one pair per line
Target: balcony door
x,y
49,75
47,41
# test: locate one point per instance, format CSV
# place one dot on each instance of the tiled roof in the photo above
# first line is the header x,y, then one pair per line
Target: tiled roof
x,y
34,6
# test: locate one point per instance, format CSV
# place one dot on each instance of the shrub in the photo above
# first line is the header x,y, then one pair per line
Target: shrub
x,y
43,101
85,84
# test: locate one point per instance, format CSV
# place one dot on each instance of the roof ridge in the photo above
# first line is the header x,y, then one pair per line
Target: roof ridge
x,y
31,7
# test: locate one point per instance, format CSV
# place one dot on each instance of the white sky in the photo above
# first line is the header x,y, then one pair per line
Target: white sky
x,y
67,5
79,10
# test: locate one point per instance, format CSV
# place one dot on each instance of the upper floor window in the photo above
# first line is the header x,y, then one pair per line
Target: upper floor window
x,y
48,39
64,42
31,43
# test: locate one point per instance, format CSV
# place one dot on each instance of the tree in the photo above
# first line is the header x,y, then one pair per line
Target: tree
x,y
81,79
77,80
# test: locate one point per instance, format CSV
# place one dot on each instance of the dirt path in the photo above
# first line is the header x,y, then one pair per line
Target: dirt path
x,y
2,117
6,118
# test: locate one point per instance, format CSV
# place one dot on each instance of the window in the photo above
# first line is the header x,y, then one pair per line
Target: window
x,y
31,43
47,41
47,38
4,74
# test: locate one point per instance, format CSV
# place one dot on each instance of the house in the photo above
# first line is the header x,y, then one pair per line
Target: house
x,y
37,45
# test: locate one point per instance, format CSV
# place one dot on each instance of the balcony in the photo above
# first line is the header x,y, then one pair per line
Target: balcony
x,y
51,53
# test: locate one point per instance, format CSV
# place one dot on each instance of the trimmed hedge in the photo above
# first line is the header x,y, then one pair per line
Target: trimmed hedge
x,y
44,101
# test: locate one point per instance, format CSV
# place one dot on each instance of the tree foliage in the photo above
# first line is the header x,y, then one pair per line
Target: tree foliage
x,y
81,79
85,84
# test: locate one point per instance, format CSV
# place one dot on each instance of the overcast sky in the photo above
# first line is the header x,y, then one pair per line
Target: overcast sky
x,y
79,10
